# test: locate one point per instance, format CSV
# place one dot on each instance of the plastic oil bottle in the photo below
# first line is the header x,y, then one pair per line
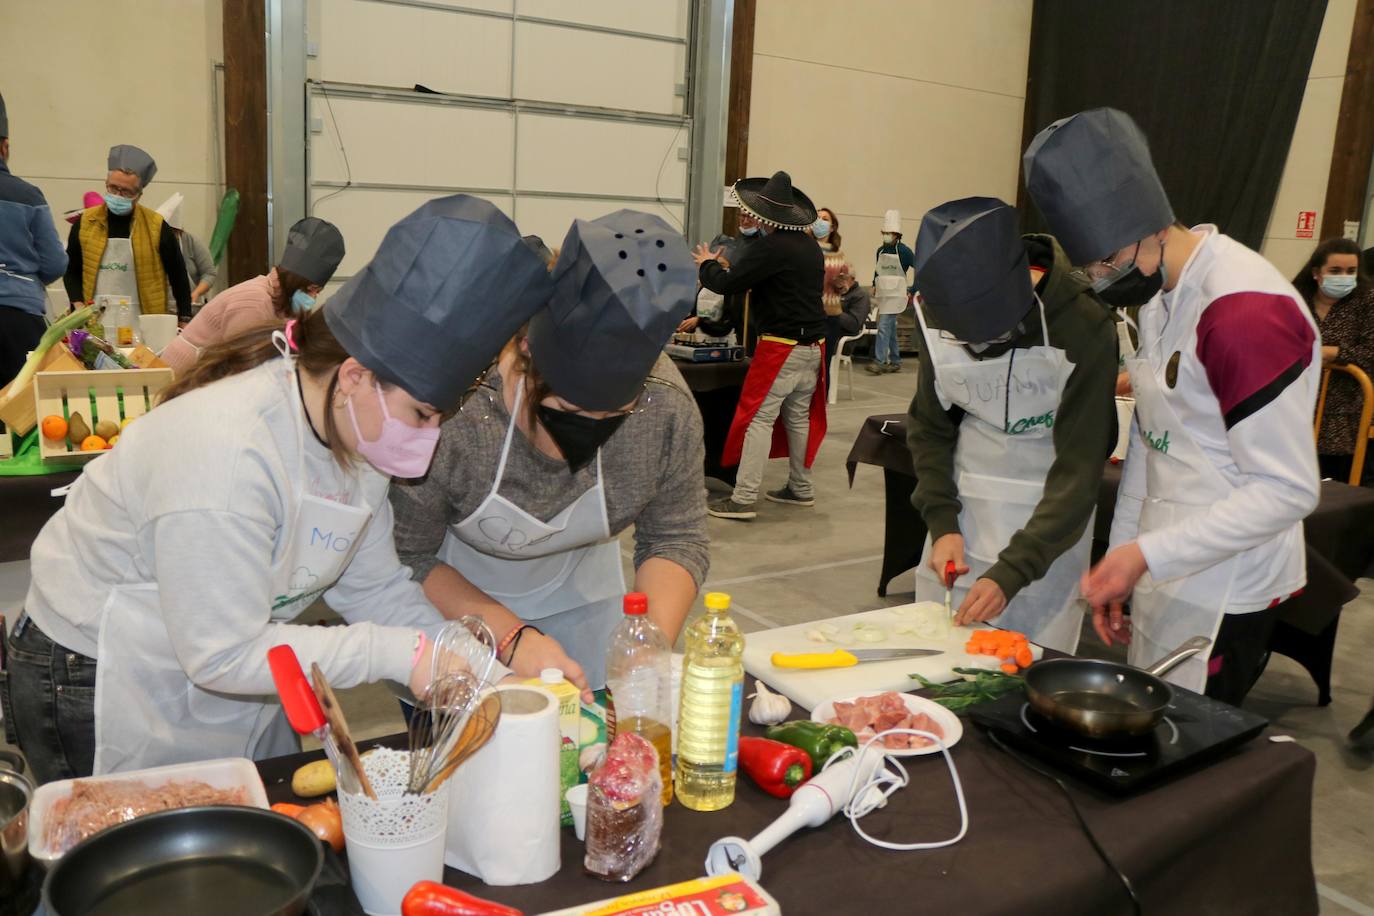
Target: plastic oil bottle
x,y
639,667
709,711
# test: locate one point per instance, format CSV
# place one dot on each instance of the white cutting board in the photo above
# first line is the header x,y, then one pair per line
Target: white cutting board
x,y
811,687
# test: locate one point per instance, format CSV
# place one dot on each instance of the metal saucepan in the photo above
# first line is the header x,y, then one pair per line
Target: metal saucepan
x,y
1102,699
209,861
16,793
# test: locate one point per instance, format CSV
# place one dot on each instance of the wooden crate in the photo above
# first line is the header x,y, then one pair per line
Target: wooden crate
x,y
19,415
97,394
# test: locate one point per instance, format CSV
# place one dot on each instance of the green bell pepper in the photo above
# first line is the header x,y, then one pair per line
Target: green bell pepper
x,y
818,739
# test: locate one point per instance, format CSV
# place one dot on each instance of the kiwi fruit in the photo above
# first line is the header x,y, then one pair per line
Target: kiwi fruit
x,y
107,429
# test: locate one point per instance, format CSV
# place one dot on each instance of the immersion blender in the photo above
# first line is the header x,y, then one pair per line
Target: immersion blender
x,y
816,801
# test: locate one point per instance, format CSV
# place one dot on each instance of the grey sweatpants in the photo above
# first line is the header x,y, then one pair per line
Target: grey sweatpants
x,y
790,396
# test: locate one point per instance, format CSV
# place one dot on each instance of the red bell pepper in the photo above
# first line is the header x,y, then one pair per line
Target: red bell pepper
x,y
775,767
429,898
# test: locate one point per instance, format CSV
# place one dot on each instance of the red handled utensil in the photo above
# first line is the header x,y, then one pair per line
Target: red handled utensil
x,y
303,710
951,573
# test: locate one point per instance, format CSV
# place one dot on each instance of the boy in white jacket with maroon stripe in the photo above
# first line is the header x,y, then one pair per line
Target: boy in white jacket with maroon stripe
x,y
1221,470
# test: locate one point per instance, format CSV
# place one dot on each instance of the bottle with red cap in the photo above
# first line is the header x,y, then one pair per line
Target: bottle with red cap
x,y
639,668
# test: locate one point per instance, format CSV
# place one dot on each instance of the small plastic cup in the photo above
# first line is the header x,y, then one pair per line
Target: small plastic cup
x,y
577,802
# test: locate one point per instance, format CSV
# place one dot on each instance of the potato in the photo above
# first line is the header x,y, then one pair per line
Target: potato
x,y
107,429
313,779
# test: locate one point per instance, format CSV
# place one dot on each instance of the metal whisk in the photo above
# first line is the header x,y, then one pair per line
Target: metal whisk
x,y
463,661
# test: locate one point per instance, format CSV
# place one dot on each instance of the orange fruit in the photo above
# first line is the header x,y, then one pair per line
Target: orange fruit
x,y
92,444
54,427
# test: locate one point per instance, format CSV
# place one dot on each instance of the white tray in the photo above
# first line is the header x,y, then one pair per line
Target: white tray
x,y
226,773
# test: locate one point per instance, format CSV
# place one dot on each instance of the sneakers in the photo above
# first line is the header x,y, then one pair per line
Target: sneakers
x,y
876,368
892,367
728,508
787,497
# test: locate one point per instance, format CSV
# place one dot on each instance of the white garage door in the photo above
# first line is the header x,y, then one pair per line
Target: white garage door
x,y
552,110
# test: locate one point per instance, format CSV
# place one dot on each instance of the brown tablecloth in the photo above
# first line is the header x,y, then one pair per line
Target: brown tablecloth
x,y
1233,837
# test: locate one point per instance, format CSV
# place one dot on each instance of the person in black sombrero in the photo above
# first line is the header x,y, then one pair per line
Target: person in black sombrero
x,y
783,401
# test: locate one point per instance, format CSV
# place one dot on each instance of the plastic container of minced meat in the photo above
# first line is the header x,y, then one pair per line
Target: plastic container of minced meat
x,y
227,773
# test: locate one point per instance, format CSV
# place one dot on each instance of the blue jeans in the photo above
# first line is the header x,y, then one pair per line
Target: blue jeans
x,y
885,349
48,693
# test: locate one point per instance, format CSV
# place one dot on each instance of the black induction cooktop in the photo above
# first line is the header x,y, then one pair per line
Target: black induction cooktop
x,y
1194,730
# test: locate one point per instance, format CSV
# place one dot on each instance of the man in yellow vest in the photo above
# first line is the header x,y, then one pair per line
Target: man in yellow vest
x,y
121,248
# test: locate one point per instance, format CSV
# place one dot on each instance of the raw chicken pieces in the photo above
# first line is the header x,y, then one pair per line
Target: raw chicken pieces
x,y
867,716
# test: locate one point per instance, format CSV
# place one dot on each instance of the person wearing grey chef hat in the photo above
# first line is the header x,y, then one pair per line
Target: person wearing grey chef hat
x,y
1012,420
256,486
1221,469
31,257
123,249
314,250
582,429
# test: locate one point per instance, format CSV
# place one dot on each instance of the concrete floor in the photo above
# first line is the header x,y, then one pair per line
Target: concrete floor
x,y
794,565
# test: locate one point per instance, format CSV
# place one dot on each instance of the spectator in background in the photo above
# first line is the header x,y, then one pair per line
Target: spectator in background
x,y
855,306
31,257
825,230
892,293
200,267
314,249
1343,303
122,248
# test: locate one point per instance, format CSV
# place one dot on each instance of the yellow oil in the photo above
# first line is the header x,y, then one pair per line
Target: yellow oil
x,y
661,737
709,712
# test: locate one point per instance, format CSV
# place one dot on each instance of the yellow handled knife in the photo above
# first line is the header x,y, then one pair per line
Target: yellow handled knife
x,y
846,658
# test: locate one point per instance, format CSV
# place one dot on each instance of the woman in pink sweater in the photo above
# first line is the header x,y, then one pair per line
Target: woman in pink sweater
x,y
314,249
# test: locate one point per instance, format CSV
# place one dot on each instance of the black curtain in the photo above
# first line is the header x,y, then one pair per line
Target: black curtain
x,y
1215,85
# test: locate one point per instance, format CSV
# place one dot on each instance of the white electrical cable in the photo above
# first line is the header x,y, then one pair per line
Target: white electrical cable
x,y
880,786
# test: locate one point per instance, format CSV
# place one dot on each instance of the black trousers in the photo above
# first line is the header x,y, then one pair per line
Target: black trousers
x,y
19,333
1240,654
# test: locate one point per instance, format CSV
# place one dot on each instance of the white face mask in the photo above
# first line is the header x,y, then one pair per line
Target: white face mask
x,y
889,238
1338,286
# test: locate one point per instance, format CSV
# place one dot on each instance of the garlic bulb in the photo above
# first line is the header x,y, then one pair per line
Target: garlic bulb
x,y
768,708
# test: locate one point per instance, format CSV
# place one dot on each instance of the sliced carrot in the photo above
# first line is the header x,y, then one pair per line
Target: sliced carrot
x,y
1024,657
1009,669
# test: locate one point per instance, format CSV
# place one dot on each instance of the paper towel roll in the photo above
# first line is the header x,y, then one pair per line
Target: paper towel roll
x,y
503,806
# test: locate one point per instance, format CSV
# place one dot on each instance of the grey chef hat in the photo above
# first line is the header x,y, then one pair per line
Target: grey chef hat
x,y
4,119
1091,176
972,270
125,158
449,285
621,286
314,249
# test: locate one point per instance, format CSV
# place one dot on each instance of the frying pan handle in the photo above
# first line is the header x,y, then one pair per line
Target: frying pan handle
x,y
1178,656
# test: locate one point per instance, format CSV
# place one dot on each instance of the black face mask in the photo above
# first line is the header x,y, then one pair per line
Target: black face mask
x,y
1133,288
576,436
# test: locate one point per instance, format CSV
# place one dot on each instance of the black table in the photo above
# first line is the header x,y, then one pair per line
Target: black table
x,y
27,505
1234,837
1339,534
716,387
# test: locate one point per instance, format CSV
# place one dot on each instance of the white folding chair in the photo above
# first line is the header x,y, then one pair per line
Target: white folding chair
x,y
843,359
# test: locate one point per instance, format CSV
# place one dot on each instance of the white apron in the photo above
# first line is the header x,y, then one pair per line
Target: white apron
x,y
149,713
116,276
1125,406
564,575
1180,481
1004,452
890,284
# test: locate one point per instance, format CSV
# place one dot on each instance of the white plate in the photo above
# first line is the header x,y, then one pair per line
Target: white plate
x,y
949,723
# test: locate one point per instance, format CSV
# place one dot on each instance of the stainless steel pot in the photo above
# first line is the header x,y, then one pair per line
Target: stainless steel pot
x,y
16,793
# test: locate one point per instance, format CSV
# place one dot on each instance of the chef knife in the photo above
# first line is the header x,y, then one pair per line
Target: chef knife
x,y
846,658
951,573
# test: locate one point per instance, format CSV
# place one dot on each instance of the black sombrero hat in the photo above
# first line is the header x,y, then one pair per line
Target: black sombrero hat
x,y
774,202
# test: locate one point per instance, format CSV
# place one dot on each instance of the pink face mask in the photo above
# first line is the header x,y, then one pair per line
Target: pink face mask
x,y
401,451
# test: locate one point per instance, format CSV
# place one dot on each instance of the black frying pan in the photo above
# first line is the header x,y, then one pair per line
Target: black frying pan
x,y
1102,699
208,861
